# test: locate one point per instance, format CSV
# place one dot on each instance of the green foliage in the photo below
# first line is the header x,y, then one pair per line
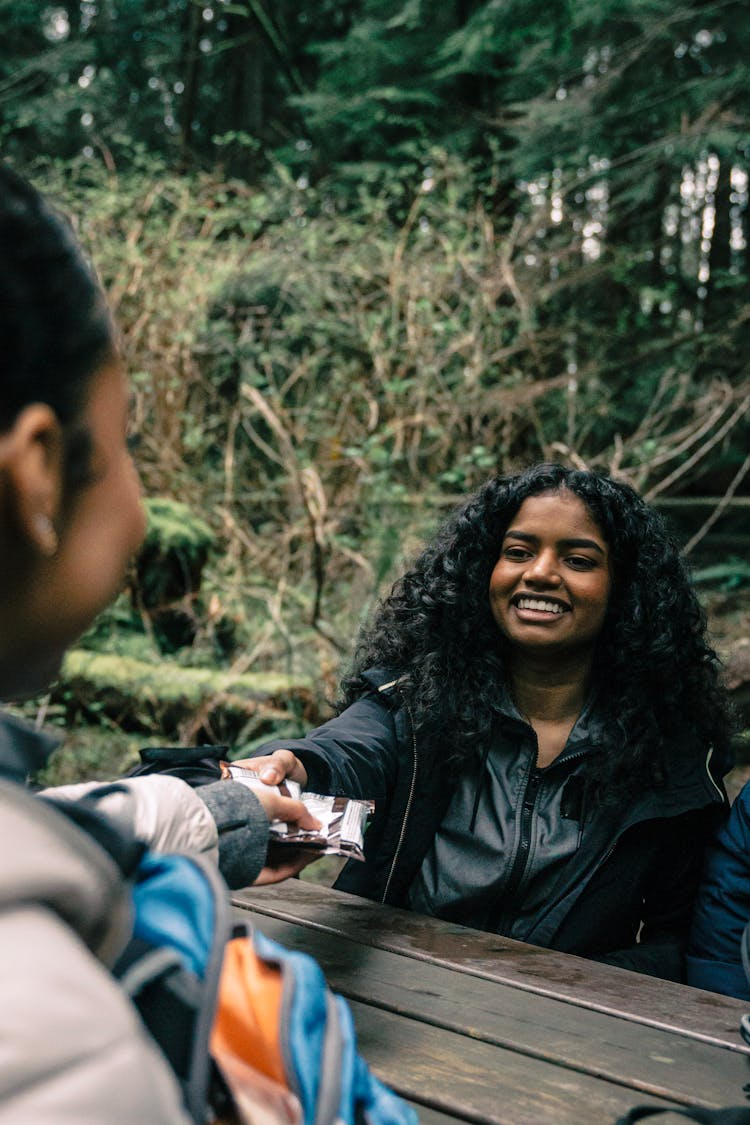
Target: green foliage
x,y
364,253
174,552
69,70
122,630
169,570
173,527
732,574
319,389
91,752
361,87
176,702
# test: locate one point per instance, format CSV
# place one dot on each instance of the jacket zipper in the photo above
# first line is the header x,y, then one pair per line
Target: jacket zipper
x,y
613,843
603,859
621,832
412,789
522,854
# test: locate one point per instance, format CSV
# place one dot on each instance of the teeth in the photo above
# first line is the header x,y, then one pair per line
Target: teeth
x,y
541,606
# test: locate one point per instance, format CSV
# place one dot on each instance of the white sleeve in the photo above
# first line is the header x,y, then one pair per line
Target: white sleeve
x,y
163,812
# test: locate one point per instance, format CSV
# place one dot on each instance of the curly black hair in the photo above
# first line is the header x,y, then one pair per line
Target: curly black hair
x,y
660,691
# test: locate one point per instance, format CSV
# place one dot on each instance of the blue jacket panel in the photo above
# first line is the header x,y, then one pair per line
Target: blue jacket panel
x,y
723,907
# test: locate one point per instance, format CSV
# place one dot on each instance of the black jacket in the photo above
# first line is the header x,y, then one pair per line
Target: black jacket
x,y
627,895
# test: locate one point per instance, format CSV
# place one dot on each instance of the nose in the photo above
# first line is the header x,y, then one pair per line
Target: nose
x,y
543,570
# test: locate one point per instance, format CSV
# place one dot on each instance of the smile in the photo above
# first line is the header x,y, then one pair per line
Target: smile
x,y
539,605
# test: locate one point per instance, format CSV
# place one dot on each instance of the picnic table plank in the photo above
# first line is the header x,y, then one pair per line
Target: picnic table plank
x,y
429,1116
705,1016
477,1082
647,1059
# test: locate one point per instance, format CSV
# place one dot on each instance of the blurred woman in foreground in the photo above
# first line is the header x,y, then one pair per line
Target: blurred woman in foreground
x,y
73,1046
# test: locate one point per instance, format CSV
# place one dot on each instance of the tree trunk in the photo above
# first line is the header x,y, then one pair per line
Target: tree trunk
x,y
191,58
246,97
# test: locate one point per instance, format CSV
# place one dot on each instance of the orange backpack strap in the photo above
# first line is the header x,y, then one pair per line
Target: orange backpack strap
x,y
285,1045
248,1011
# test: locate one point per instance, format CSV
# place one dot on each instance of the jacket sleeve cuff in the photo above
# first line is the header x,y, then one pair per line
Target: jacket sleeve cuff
x,y
243,830
317,770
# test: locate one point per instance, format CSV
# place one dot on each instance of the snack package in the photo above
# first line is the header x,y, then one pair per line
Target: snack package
x,y
342,819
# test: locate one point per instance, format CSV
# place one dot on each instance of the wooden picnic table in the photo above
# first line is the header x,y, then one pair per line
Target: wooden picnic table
x,y
473,1027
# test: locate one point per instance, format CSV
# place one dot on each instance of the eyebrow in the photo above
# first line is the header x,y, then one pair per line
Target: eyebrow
x,y
511,533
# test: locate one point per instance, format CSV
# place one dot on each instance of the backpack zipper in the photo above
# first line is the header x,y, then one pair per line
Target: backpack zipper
x,y
336,1041
332,1067
197,1087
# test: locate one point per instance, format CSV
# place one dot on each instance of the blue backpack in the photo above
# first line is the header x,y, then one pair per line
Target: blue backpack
x,y
250,1028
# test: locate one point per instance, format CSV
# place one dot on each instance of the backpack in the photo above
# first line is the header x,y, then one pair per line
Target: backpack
x,y
197,765
251,1029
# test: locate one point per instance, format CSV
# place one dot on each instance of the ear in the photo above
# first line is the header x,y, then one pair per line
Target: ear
x,y
31,461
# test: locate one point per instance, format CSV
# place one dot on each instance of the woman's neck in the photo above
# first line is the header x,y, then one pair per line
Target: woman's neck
x,y
550,700
550,694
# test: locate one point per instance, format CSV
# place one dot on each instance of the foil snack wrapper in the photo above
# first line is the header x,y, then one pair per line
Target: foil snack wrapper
x,y
343,820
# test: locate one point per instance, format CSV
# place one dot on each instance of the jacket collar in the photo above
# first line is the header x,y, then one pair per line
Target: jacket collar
x,y
588,732
692,783
23,748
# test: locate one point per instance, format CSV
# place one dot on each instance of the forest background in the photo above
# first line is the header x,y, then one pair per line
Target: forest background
x,y
364,253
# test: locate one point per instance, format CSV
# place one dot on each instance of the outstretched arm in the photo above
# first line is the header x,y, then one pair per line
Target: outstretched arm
x,y
353,755
223,820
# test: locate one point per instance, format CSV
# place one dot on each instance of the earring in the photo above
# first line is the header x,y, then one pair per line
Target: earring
x,y
47,535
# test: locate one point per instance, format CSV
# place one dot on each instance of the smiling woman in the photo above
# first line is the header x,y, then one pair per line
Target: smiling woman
x,y
549,593
550,586
537,712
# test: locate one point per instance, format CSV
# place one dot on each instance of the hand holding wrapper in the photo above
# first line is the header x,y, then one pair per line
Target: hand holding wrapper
x,y
342,819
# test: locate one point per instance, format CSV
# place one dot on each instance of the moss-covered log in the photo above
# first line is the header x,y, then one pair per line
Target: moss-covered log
x,y
185,704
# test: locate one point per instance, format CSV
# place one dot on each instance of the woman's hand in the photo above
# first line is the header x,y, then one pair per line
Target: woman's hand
x,y
283,861
293,813
275,767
